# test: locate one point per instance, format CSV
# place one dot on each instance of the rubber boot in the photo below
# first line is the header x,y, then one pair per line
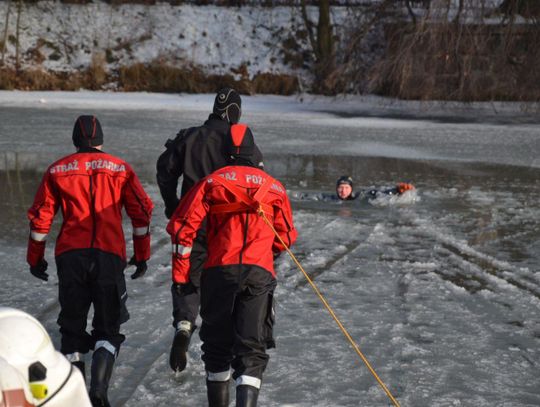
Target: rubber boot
x,y
180,345
246,396
218,393
102,367
80,365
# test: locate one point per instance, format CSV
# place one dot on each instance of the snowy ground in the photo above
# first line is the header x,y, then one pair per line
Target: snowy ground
x,y
220,40
440,289
67,37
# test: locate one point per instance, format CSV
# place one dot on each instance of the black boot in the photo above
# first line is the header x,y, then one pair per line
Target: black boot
x,y
246,396
102,367
179,348
80,365
218,393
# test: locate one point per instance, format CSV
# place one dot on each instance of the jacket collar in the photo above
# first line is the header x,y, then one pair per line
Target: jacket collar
x,y
217,123
89,150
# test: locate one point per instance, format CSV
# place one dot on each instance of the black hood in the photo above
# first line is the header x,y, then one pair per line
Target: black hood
x,y
87,132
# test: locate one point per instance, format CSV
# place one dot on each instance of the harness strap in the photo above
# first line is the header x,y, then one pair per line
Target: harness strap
x,y
246,203
261,192
238,207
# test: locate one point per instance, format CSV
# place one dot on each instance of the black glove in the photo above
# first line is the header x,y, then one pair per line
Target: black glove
x,y
39,270
169,209
141,267
169,212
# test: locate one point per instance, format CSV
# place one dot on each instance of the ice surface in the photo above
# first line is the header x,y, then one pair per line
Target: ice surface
x,y
441,292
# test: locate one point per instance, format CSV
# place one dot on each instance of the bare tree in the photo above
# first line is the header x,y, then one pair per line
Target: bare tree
x,y
4,38
410,11
17,35
526,8
350,68
451,53
322,44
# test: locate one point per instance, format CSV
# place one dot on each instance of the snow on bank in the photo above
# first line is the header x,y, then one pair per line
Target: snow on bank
x,y
66,37
218,39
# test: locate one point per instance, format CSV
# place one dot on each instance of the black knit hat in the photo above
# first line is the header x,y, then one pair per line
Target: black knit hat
x,y
87,132
228,105
240,142
344,179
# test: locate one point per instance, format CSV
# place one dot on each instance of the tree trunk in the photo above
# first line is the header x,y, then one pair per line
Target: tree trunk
x,y
4,39
325,40
457,18
325,63
17,43
309,29
411,12
323,44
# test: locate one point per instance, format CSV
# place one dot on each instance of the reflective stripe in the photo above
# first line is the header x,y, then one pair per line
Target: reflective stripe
x,y
184,326
140,231
39,237
249,381
107,345
182,250
218,377
74,357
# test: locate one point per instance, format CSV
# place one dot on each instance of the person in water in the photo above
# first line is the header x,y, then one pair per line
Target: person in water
x,y
345,192
344,188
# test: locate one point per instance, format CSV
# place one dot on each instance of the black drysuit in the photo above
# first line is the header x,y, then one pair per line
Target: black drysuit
x,y
195,153
91,277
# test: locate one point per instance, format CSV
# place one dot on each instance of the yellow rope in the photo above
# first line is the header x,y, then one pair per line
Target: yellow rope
x,y
332,313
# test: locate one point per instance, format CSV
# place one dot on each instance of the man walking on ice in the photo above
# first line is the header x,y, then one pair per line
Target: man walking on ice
x,y
195,153
90,187
238,277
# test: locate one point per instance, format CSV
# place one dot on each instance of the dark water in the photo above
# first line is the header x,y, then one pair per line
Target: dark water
x,y
313,174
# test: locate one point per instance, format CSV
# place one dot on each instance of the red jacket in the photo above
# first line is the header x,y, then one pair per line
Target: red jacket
x,y
236,234
90,187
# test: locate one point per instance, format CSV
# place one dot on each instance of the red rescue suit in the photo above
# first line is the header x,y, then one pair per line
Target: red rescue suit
x,y
236,234
90,187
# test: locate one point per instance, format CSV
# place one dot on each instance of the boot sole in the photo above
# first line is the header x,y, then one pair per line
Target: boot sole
x,y
98,401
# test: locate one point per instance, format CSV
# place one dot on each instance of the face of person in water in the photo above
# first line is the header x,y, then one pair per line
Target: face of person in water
x,y
343,191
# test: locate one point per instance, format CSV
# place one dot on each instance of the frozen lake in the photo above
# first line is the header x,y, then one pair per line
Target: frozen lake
x,y
441,290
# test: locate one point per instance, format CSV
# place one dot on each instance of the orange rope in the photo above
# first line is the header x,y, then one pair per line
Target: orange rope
x,y
332,313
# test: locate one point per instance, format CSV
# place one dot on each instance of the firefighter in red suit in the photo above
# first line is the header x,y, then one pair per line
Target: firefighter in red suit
x,y
238,277
90,187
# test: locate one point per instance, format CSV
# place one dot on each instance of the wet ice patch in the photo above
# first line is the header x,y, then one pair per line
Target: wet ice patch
x,y
407,198
380,235
423,266
479,197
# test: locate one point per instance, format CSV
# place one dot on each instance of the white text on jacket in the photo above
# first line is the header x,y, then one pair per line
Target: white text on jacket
x,y
72,166
104,164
